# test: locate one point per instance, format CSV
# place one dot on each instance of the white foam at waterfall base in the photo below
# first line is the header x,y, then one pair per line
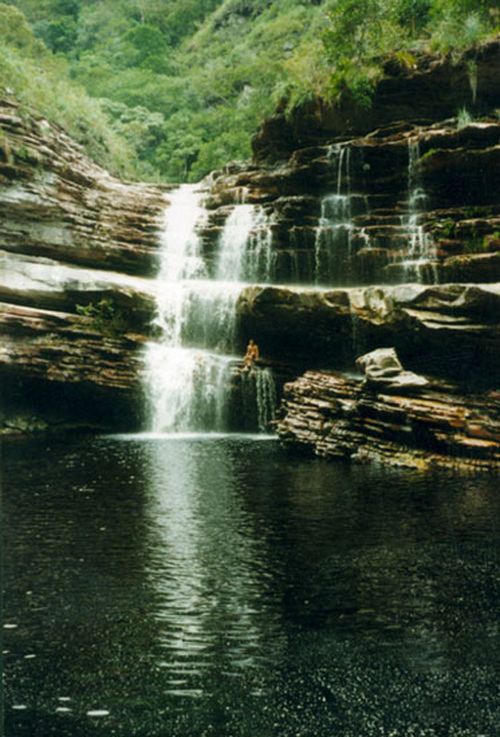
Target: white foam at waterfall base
x,y
189,389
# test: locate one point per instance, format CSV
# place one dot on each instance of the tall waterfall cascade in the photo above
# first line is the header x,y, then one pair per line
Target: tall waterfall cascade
x,y
190,368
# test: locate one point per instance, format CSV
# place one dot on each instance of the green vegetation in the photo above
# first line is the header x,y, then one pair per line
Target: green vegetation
x,y
106,317
464,118
40,79
446,229
428,155
171,89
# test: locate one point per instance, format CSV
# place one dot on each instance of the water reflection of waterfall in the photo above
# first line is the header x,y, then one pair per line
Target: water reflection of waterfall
x,y
191,368
213,607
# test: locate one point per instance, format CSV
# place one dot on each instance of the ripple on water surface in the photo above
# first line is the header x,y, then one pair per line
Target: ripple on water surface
x,y
215,586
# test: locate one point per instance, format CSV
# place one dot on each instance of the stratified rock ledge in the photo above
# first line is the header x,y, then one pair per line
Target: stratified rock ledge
x,y
335,417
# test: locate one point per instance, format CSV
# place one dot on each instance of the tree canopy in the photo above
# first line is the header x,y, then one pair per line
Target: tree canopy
x,y
180,86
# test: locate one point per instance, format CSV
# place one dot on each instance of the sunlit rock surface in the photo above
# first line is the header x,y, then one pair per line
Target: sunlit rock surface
x,y
382,368
331,416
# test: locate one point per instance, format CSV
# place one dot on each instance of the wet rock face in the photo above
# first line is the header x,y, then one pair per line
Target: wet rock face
x,y
397,194
419,205
57,203
72,320
333,417
449,330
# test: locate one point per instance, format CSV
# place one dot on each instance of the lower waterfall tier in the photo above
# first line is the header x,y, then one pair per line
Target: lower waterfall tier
x,y
193,390
448,331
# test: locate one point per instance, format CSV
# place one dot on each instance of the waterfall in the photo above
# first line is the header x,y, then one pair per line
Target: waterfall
x,y
233,242
246,248
190,369
266,397
258,396
334,234
419,263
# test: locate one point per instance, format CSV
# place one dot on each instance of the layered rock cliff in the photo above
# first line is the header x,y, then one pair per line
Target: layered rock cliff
x,y
335,417
362,230
70,236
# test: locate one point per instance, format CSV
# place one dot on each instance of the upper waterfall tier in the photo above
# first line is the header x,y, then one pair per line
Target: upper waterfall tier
x,y
408,204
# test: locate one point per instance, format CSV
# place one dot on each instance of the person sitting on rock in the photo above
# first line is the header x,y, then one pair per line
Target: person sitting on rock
x,y
252,355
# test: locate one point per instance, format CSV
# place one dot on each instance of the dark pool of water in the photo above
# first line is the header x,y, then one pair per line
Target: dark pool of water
x,y
190,588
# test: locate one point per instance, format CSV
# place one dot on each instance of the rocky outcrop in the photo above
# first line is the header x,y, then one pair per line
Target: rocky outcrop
x,y
419,204
57,203
50,285
73,312
60,370
433,89
450,330
334,417
383,370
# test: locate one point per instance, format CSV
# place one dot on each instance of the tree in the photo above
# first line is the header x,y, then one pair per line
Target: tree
x,y
151,50
59,35
15,31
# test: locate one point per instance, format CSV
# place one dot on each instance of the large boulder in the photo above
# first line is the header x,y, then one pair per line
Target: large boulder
x,y
382,368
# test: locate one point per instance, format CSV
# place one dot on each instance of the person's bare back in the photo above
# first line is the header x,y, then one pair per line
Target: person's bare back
x,y
252,355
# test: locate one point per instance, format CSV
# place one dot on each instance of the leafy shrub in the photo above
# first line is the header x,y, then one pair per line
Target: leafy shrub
x,y
106,317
